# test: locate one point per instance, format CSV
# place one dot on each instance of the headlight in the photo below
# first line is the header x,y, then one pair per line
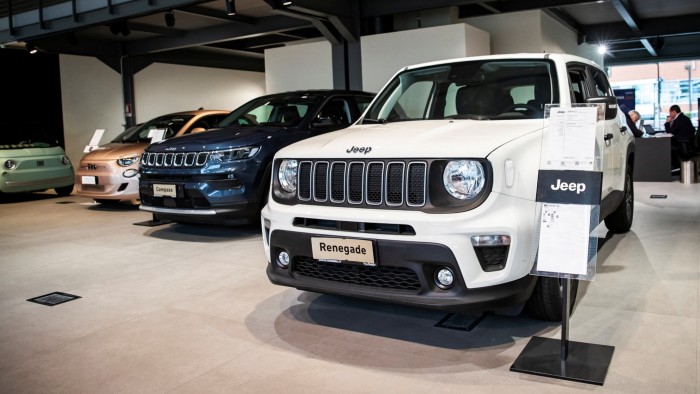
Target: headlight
x,y
234,154
287,175
127,161
464,179
10,164
65,160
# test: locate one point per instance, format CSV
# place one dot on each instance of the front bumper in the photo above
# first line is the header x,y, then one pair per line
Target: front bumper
x,y
404,276
208,199
109,182
408,244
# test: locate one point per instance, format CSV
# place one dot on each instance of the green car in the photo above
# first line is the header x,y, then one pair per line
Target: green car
x,y
32,161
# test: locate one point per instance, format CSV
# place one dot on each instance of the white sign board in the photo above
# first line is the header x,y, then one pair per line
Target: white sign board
x,y
156,135
94,141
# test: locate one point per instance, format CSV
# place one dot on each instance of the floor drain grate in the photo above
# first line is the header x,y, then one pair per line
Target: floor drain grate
x,y
54,298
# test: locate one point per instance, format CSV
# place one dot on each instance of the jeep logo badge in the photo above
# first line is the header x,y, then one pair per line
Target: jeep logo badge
x,y
572,186
354,149
569,187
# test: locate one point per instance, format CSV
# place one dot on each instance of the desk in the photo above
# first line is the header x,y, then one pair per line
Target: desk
x,y
652,161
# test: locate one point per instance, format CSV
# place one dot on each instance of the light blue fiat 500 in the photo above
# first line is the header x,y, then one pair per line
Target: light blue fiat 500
x,y
33,161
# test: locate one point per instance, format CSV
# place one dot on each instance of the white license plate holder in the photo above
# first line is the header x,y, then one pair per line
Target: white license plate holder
x,y
164,190
344,250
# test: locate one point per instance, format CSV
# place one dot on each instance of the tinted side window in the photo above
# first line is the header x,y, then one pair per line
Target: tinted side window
x,y
602,86
335,112
577,84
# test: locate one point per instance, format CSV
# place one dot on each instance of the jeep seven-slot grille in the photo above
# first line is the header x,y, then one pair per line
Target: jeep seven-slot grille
x,y
387,277
372,183
170,159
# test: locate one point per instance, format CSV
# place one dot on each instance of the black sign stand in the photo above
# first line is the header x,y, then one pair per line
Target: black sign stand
x,y
565,359
153,222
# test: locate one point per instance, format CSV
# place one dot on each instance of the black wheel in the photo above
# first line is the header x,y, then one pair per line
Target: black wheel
x,y
620,221
64,191
105,201
545,301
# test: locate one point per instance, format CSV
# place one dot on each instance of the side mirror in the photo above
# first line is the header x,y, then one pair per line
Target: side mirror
x,y
610,105
324,122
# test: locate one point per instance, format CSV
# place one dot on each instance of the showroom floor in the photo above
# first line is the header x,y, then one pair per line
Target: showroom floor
x,y
189,309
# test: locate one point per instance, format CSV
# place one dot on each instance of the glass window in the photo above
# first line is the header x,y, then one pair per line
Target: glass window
x,y
286,111
487,89
171,123
26,135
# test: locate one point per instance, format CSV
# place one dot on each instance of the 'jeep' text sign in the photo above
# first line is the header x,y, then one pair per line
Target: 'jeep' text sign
x,y
569,187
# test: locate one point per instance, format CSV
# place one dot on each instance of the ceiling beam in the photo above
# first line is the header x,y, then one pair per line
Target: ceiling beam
x,y
624,8
216,15
214,34
59,18
652,28
372,8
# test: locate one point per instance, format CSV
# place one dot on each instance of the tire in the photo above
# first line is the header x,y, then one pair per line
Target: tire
x,y
545,301
620,221
64,191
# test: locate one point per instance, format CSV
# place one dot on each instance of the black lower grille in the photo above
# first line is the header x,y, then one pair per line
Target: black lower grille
x,y
167,202
387,277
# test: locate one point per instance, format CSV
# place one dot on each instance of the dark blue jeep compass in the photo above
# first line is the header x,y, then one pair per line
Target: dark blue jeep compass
x,y
222,176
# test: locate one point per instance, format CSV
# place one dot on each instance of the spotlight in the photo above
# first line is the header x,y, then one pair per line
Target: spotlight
x,y
170,18
602,49
31,48
231,7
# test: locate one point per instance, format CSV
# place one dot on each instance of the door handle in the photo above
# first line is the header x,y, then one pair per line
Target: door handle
x,y
608,136
623,129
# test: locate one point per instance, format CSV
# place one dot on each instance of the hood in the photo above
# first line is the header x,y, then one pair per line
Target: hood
x,y
229,137
114,151
414,139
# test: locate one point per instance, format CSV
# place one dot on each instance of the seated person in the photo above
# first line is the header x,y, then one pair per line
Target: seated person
x,y
683,134
632,117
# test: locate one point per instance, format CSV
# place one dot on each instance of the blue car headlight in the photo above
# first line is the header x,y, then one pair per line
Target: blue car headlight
x,y
226,155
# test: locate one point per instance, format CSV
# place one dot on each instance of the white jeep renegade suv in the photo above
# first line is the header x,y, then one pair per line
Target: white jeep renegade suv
x,y
429,199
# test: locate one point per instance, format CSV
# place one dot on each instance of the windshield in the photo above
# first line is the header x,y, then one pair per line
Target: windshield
x,y
282,111
139,133
483,90
26,135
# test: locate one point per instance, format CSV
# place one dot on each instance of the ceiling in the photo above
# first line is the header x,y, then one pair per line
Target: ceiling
x,y
203,33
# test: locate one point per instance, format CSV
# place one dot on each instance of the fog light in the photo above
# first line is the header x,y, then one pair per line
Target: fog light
x,y
10,164
444,278
130,173
283,259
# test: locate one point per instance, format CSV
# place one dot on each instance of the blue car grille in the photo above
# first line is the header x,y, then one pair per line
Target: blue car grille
x,y
170,159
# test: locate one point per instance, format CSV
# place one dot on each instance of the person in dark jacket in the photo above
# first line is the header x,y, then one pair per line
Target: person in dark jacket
x,y
683,133
632,117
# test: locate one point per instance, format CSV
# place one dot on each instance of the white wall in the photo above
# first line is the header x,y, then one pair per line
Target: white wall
x,y
384,54
91,98
531,31
300,66
165,88
91,94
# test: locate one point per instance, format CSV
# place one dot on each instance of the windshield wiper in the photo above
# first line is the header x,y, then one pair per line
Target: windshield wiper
x,y
374,121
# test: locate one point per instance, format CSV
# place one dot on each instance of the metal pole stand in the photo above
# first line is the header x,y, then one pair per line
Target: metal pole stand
x,y
153,222
565,359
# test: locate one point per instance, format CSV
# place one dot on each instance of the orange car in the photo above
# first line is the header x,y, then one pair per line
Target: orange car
x,y
109,174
